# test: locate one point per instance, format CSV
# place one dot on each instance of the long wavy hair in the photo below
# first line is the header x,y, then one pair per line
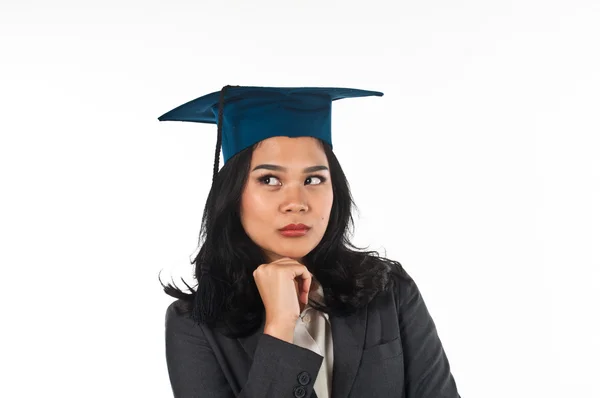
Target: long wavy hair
x,y
350,277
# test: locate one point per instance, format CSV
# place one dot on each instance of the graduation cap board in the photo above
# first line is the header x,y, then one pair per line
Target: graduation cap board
x,y
247,114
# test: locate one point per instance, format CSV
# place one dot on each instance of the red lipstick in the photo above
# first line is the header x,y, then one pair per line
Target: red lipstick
x,y
294,227
294,230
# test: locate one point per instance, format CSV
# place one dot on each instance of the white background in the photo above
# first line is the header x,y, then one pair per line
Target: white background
x,y
478,170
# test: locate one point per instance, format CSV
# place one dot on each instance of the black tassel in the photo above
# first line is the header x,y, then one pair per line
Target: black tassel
x,y
211,290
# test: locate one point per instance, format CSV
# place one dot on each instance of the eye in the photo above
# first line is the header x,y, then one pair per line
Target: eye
x,y
323,179
264,178
267,177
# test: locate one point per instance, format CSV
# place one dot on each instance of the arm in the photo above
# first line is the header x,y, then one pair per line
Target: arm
x,y
427,371
195,372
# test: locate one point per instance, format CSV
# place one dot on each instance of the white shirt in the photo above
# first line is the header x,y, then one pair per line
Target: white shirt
x,y
313,332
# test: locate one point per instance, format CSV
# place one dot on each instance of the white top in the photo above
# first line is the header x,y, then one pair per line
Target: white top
x,y
313,331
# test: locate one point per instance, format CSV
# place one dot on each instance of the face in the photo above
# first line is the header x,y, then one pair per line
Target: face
x,y
281,191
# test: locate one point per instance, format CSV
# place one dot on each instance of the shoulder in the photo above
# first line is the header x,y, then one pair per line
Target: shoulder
x,y
177,310
395,285
401,287
401,280
178,319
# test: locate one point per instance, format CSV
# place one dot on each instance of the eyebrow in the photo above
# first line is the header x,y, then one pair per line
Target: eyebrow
x,y
281,168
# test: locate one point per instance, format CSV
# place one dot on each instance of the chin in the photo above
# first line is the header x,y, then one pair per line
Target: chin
x,y
292,253
296,252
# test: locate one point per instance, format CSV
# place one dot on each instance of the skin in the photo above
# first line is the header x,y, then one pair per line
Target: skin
x,y
287,197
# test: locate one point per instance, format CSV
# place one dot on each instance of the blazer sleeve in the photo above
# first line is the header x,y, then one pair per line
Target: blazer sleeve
x,y
194,370
427,370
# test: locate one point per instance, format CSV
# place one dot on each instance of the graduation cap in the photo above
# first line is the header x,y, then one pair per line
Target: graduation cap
x,y
246,115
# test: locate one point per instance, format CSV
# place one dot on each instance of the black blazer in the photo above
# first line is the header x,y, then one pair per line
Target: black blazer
x,y
390,348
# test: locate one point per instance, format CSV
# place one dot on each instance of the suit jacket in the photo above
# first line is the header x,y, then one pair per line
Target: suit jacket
x,y
390,348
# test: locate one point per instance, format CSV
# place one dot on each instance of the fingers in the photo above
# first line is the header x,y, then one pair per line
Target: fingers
x,y
306,288
304,278
301,275
298,292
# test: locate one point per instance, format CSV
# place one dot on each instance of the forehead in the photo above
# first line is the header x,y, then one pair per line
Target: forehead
x,y
289,150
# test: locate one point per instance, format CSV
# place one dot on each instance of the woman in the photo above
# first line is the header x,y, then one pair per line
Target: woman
x,y
297,312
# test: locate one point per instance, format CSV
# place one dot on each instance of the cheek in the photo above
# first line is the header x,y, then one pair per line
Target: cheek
x,y
253,209
325,209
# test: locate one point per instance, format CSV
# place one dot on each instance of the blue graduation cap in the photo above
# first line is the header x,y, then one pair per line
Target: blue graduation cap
x,y
246,115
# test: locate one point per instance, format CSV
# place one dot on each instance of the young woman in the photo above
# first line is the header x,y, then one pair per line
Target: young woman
x,y
285,305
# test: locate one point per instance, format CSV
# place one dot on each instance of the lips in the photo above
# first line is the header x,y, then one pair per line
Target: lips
x,y
294,227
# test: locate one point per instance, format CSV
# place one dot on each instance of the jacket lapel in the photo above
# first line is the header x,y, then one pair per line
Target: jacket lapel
x,y
348,335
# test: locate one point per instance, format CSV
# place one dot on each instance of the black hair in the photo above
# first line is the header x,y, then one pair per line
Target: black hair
x,y
227,297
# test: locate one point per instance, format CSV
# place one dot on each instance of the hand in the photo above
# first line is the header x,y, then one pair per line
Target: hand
x,y
283,285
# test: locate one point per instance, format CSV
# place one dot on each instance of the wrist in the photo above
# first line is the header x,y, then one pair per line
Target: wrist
x,y
282,332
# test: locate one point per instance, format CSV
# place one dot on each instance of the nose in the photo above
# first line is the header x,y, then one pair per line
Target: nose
x,y
295,200
295,207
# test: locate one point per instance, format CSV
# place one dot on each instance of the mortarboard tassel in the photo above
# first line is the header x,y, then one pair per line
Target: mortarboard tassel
x,y
208,291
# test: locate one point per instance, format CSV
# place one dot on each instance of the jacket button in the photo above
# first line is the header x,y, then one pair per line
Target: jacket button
x,y
299,392
304,378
